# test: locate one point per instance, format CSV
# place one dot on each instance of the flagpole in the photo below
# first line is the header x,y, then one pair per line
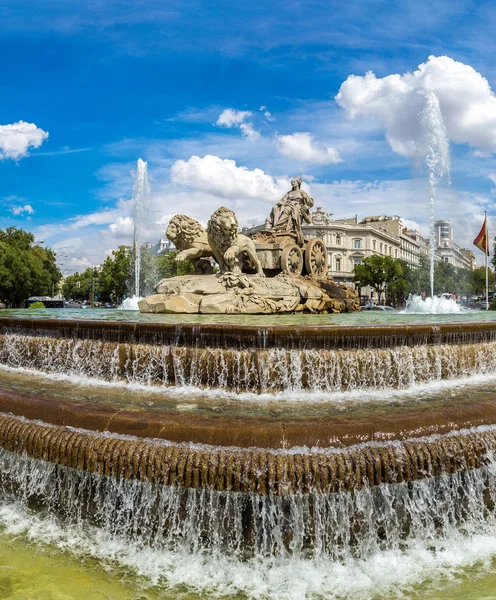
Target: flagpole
x,y
487,268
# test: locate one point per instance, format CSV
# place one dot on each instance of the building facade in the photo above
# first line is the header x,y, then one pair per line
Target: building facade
x,y
448,251
348,242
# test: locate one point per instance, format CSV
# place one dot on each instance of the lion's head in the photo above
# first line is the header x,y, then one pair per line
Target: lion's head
x,y
183,231
222,228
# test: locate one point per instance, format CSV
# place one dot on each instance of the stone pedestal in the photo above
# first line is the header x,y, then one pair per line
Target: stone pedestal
x,y
249,294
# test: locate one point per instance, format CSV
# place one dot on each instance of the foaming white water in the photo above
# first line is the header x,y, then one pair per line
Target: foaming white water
x,y
438,305
130,303
262,371
440,545
191,393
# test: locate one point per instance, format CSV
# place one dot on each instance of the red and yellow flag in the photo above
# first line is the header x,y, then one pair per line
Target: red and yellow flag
x,y
482,240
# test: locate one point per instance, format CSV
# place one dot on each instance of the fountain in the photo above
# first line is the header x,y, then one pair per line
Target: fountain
x,y
435,149
141,201
234,455
323,446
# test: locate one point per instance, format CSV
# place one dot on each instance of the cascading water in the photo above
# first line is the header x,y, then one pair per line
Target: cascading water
x,y
434,149
217,457
141,203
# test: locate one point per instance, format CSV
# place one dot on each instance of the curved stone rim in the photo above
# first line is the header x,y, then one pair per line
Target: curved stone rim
x,y
247,431
248,470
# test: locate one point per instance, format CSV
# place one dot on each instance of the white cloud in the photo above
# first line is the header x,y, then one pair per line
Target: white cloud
x,y
414,226
492,177
249,132
230,117
467,103
19,210
17,138
302,146
122,226
223,178
266,113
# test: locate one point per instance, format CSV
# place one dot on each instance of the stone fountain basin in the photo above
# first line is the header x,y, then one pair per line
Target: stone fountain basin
x,y
225,443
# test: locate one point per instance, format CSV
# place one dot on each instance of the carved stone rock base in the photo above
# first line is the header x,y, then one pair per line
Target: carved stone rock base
x,y
249,294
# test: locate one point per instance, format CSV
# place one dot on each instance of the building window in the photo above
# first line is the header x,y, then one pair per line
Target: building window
x,y
374,244
390,251
446,259
396,253
338,240
357,261
380,248
338,264
357,243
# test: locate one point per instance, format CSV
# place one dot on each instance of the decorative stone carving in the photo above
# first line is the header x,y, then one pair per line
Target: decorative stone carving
x,y
276,271
232,293
293,208
190,239
228,245
319,217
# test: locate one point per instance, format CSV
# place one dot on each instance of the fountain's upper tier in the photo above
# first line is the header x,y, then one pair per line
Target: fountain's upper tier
x,y
253,336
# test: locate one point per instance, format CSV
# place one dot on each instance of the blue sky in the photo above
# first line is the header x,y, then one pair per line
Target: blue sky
x,y
111,82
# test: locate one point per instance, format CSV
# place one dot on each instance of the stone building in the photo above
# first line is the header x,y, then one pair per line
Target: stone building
x,y
163,246
448,251
349,241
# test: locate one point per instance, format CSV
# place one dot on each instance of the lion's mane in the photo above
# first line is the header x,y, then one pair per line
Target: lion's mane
x,y
188,230
216,237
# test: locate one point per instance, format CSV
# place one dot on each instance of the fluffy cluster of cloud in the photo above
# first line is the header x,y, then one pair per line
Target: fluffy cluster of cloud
x,y
467,103
17,138
223,178
122,226
230,117
19,210
302,146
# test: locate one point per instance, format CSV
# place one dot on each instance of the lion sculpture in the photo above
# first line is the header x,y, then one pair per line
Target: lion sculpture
x,y
228,244
190,239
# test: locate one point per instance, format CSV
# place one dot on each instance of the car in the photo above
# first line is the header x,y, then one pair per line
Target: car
x,y
382,308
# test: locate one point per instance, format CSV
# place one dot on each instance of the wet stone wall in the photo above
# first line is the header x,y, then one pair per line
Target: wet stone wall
x,y
250,370
127,497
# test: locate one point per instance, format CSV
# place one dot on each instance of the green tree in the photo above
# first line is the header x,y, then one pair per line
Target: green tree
x,y
383,274
149,272
113,280
168,267
26,269
418,278
477,281
78,285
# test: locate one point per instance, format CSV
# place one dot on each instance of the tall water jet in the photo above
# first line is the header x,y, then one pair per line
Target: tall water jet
x,y
141,199
435,151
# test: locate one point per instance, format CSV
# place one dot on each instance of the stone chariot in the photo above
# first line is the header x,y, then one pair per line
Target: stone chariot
x,y
279,252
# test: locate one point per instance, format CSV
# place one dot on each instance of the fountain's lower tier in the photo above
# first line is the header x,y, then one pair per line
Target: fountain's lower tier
x,y
309,440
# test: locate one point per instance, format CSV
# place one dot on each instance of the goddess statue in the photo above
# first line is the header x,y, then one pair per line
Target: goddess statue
x,y
288,214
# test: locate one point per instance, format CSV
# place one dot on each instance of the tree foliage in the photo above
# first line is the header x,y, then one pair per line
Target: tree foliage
x,y
115,279
393,280
26,269
36,305
168,267
383,274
